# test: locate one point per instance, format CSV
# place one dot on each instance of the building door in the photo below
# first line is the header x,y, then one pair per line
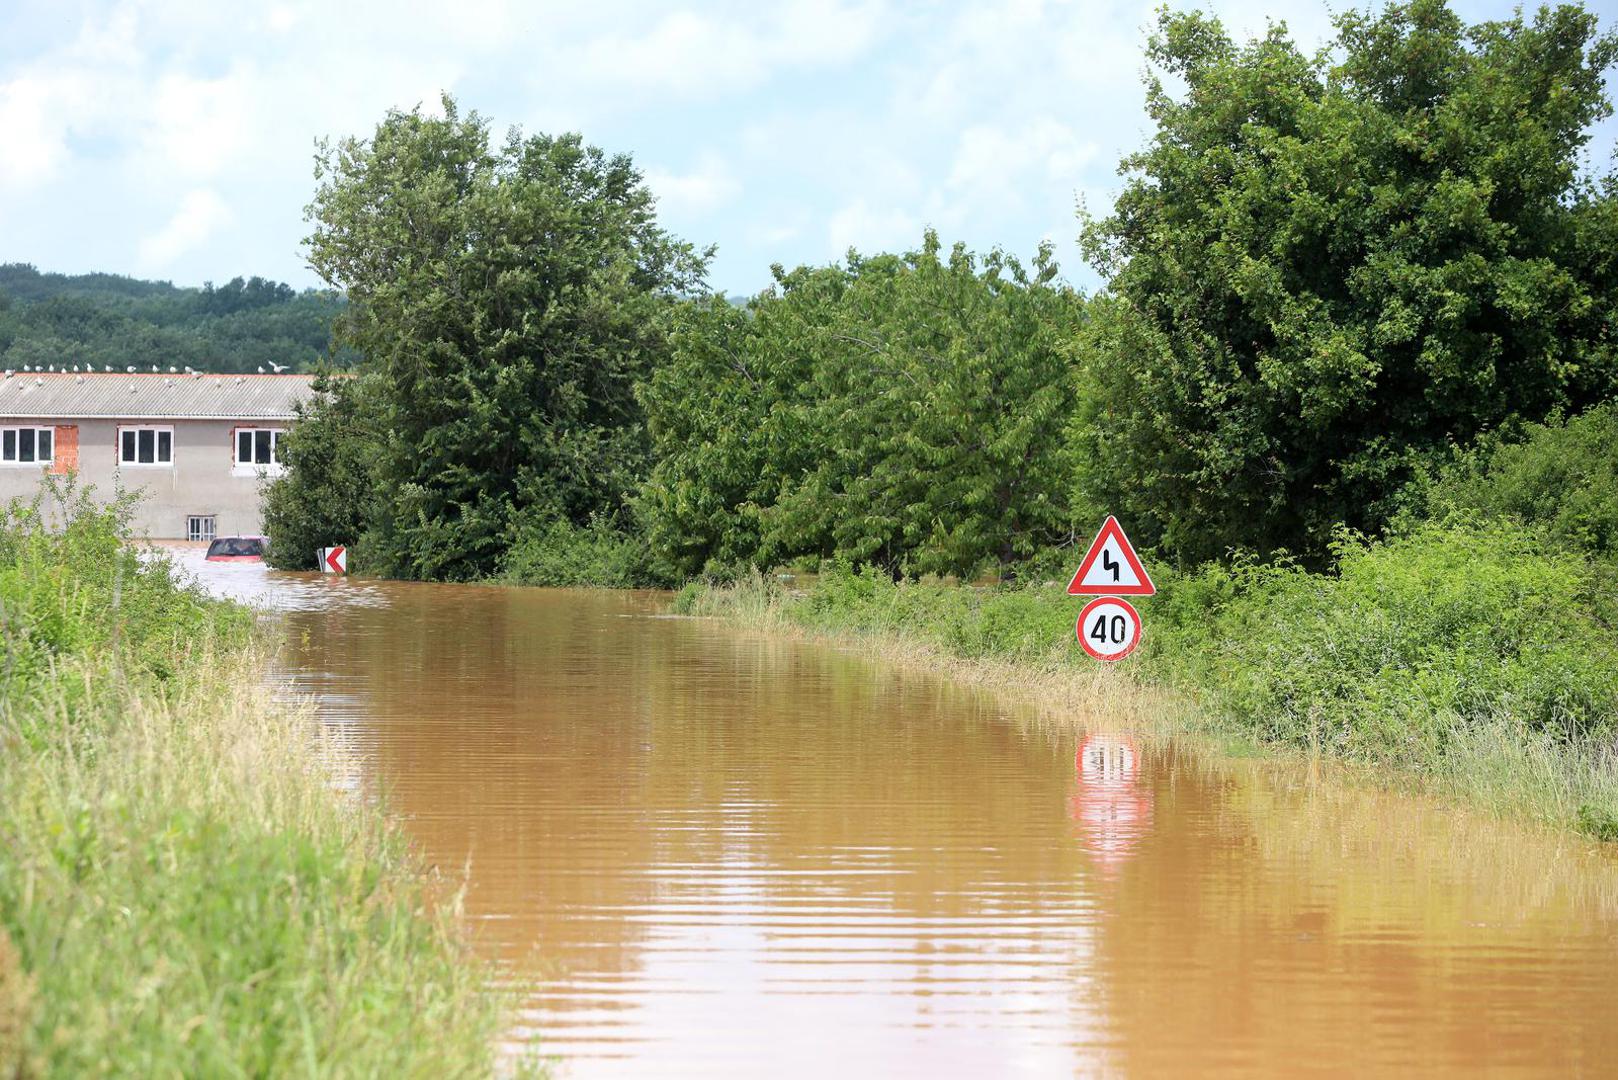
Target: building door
x,y
199,527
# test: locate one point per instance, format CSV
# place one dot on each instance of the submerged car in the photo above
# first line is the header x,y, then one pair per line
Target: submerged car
x,y
236,549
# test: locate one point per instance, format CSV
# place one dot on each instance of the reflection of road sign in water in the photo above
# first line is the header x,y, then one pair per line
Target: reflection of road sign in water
x,y
1111,567
1108,628
1111,809
1107,759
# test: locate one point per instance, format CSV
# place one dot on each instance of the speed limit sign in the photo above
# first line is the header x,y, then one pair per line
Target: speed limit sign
x,y
1108,628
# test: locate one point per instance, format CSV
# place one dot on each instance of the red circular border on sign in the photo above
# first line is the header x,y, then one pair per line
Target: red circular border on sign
x,y
1107,658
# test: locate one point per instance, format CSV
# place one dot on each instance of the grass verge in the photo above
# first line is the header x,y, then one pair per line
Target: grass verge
x,y
183,889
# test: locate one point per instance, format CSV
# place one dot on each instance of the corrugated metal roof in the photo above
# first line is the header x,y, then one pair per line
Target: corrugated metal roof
x,y
97,396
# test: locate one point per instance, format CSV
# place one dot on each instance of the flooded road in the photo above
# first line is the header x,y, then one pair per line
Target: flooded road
x,y
714,854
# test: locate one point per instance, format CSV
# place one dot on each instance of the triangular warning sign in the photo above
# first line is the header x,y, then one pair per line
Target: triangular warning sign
x,y
1111,567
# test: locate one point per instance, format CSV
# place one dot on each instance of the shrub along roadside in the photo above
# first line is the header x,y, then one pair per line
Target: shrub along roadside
x,y
1561,477
329,490
1410,641
182,891
1467,657
556,552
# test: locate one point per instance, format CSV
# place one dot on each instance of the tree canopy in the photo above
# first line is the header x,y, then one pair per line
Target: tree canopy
x,y
1324,269
1324,275
330,490
902,410
507,299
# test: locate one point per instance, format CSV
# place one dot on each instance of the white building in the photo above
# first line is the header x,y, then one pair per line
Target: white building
x,y
196,447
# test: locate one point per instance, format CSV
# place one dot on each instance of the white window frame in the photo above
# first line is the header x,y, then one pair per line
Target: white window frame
x,y
272,467
202,536
156,429
15,431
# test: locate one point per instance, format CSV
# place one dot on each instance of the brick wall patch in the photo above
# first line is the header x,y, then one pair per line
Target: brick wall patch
x,y
66,458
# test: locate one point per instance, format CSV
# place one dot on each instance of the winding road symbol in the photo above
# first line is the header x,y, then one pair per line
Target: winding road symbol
x,y
1111,567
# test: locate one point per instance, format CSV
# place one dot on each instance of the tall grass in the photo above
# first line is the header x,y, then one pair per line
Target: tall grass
x,y
1407,642
183,889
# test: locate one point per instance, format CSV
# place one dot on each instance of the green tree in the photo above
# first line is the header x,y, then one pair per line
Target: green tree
x,y
904,411
720,418
329,492
1323,270
508,299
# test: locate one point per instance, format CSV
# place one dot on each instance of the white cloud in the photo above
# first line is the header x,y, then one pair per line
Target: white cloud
x,y
825,31
196,127
683,52
705,189
991,159
201,212
75,91
872,228
774,233
280,18
35,146
694,54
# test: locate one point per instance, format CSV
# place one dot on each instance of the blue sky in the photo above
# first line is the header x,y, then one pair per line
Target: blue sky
x,y
174,139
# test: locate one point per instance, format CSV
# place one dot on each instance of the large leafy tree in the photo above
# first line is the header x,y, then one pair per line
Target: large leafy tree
x,y
1324,269
905,411
507,299
723,436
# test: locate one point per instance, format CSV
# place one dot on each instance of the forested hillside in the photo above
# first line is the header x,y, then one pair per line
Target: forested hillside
x,y
110,321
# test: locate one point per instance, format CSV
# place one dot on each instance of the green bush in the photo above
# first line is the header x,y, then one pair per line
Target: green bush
x,y
1475,656
1599,822
72,585
508,294
1563,477
1325,266
182,892
1412,639
1026,623
903,410
1408,641
559,553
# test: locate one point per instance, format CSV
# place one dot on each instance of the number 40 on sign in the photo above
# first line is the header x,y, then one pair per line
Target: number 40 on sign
x,y
1109,627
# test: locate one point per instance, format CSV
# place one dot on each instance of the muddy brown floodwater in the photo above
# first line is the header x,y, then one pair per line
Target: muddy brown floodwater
x,y
703,852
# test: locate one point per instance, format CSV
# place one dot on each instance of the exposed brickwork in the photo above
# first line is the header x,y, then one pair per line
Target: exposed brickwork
x,y
67,449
